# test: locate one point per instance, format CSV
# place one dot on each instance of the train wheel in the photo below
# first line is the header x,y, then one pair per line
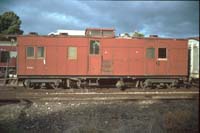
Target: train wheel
x,y
169,86
48,86
143,85
13,82
24,84
37,85
172,86
120,84
28,84
54,86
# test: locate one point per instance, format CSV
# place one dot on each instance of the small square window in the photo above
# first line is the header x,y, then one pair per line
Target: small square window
x,y
150,53
40,52
162,53
30,52
72,53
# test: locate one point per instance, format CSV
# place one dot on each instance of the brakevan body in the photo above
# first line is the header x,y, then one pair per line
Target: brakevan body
x,y
98,56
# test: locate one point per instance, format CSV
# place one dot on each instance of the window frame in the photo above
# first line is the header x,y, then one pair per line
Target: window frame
x,y
30,57
68,53
44,52
154,54
93,53
166,54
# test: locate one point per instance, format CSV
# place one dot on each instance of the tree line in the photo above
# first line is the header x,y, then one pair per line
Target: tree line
x,y
10,24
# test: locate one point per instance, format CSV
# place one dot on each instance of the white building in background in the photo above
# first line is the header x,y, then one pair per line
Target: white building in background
x,y
69,32
193,45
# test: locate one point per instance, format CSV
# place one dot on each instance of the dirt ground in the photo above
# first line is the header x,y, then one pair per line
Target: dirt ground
x,y
139,116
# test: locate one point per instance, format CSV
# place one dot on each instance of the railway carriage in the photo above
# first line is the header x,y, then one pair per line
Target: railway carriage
x,y
193,55
100,58
8,55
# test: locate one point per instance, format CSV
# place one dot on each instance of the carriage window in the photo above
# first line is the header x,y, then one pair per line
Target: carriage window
x,y
95,33
40,52
30,52
108,33
4,56
150,53
195,58
94,47
162,53
72,53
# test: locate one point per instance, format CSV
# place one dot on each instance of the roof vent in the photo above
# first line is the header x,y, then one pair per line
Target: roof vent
x,y
33,33
153,35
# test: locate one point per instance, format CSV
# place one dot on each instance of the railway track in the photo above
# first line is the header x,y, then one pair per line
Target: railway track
x,y
95,94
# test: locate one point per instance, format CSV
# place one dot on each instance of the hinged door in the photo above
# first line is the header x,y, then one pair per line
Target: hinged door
x,y
94,65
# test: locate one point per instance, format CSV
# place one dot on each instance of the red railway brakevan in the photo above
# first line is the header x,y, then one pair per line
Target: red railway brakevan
x,y
90,59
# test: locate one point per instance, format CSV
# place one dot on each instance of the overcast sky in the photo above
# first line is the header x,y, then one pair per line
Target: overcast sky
x,y
164,18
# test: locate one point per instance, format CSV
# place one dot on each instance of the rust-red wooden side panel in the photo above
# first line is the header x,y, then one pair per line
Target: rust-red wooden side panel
x,y
51,60
150,63
120,61
82,60
107,61
162,65
117,57
94,65
136,61
178,59
61,58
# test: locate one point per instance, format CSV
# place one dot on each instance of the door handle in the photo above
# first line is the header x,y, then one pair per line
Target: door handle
x,y
158,63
